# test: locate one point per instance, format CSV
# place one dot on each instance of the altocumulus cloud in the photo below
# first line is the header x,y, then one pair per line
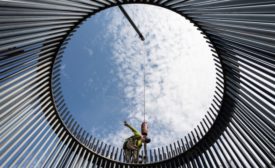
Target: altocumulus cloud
x,y
180,73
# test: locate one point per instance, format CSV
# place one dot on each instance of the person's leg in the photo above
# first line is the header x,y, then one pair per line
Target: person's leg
x,y
135,156
127,155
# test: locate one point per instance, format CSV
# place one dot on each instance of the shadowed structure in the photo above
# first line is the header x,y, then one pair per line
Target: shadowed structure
x,y
37,129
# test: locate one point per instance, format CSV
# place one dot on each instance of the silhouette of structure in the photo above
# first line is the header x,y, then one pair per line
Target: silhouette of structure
x,y
37,129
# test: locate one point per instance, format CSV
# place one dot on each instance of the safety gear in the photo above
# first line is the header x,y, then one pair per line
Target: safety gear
x,y
144,128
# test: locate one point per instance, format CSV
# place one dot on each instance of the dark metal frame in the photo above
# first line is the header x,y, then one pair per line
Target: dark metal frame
x,y
240,134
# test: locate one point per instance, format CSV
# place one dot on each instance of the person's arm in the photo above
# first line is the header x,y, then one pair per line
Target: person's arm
x,y
135,131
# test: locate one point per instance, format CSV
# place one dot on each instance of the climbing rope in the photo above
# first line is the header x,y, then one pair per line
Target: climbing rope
x,y
144,80
144,126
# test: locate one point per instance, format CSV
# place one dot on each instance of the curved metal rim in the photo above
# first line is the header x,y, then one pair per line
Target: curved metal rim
x,y
240,136
71,33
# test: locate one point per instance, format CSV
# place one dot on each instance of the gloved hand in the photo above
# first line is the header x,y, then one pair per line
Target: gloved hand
x,y
125,123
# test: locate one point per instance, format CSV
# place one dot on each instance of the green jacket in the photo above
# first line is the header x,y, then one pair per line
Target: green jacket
x,y
137,135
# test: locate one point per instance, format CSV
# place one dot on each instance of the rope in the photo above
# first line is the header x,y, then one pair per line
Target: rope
x,y
144,92
144,82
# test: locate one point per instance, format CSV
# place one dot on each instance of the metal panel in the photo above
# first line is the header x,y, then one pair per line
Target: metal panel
x,y
37,130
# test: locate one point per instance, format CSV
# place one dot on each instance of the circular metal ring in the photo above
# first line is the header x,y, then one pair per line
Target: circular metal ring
x,y
32,134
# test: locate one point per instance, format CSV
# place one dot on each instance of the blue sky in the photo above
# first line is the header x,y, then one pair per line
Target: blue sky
x,y
89,82
102,77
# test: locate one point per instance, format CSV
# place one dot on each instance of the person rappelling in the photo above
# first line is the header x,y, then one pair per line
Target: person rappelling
x,y
133,144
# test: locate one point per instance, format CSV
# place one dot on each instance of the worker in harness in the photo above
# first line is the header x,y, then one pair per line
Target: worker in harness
x,y
133,144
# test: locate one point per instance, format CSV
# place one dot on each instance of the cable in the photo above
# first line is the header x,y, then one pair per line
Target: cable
x,y
144,80
144,92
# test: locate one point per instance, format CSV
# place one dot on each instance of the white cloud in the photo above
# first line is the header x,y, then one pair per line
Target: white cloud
x,y
89,50
64,71
180,73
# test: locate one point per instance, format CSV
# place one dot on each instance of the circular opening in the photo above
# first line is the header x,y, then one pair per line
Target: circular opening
x,y
104,65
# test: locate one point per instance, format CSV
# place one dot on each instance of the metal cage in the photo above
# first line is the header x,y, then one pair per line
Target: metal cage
x,y
38,131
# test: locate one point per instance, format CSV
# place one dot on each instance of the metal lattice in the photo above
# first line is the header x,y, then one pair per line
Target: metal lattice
x,y
239,134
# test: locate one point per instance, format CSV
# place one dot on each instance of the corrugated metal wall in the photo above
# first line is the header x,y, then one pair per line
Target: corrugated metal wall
x,y
34,134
